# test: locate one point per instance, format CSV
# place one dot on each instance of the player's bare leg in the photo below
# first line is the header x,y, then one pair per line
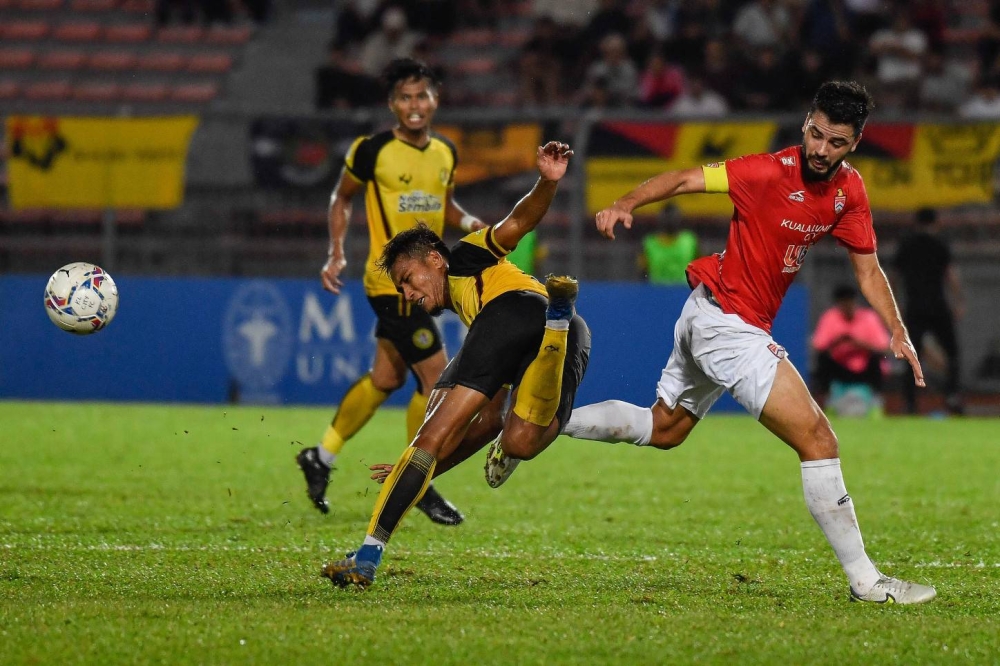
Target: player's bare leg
x,y
791,413
438,437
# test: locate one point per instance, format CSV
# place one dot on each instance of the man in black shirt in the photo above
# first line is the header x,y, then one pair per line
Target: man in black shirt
x,y
924,263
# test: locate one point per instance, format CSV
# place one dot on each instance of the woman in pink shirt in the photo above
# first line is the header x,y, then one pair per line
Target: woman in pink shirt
x,y
850,342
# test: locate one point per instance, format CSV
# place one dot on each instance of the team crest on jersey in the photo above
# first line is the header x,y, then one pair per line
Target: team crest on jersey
x,y
423,338
778,351
839,201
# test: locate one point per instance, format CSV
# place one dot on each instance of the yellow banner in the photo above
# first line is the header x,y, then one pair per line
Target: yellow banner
x,y
949,165
695,144
97,162
493,152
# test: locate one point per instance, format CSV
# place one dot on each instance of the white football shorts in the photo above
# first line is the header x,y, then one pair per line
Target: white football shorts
x,y
715,351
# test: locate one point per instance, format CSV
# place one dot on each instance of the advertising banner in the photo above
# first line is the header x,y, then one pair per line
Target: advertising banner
x,y
286,341
97,162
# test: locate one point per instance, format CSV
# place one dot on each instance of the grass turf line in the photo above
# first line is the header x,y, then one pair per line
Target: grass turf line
x,y
145,534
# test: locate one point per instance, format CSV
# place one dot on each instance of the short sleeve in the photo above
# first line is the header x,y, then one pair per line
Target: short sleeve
x,y
748,174
454,157
855,229
360,159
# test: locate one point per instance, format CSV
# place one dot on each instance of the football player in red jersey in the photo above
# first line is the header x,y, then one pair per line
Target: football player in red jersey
x,y
784,202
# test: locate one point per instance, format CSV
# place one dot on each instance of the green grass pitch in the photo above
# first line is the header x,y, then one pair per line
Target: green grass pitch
x,y
154,534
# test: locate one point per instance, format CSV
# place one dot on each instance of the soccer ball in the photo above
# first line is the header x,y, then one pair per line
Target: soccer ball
x,y
81,298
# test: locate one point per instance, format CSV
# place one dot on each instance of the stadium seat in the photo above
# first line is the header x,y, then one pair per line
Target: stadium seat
x,y
74,216
210,63
93,5
472,37
229,35
24,31
96,91
147,7
130,217
161,62
78,31
9,89
128,33
39,5
16,58
194,92
24,216
62,60
111,61
145,92
476,66
180,34
48,91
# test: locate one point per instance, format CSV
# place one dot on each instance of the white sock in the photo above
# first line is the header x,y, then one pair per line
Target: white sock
x,y
831,506
325,456
372,541
611,421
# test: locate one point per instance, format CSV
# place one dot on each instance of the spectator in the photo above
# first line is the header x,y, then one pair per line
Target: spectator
x,y
341,84
809,71
393,40
355,20
866,17
933,300
988,44
943,85
763,24
698,21
697,101
614,73
667,251
572,14
539,65
850,344
826,29
661,82
764,85
984,104
716,70
661,17
899,51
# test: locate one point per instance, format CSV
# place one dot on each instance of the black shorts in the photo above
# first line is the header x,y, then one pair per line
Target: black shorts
x,y
407,326
504,339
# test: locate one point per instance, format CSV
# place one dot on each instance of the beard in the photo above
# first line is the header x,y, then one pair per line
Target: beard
x,y
810,175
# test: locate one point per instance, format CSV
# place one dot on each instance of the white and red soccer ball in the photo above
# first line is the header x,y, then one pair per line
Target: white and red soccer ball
x,y
81,298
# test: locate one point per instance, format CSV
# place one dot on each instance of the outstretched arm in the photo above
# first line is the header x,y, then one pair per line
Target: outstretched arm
x,y
875,288
657,188
552,159
337,218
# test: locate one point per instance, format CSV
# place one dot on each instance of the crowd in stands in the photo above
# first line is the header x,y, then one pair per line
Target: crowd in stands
x,y
692,58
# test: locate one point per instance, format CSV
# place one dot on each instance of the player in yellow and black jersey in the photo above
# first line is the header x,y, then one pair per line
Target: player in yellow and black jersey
x,y
525,343
408,177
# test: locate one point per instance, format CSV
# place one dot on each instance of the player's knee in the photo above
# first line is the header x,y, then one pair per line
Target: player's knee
x,y
822,441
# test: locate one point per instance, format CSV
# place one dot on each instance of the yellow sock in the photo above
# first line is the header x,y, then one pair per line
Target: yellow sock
x,y
401,490
358,405
538,395
415,412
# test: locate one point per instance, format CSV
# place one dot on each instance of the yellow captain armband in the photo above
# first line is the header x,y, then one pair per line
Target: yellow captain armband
x,y
716,178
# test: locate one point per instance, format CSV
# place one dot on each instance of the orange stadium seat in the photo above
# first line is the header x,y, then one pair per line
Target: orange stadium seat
x,y
48,90
16,58
62,59
145,92
97,91
128,33
25,31
230,35
180,34
161,62
210,63
78,31
194,92
111,61
93,5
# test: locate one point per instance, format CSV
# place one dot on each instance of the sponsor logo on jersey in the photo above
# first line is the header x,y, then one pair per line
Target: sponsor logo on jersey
x,y
777,350
419,202
805,228
839,201
800,195
788,161
794,256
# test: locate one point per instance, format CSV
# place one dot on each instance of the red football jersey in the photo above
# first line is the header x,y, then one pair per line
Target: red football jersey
x,y
777,217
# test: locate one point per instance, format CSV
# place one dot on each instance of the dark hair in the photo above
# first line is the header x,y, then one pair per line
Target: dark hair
x,y
404,69
415,243
926,216
844,103
843,291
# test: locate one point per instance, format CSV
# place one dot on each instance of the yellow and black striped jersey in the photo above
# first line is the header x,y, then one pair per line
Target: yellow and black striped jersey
x,y
478,272
404,185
